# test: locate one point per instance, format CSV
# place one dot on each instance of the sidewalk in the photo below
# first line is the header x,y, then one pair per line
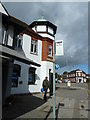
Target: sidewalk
x,y
44,111
65,108
33,106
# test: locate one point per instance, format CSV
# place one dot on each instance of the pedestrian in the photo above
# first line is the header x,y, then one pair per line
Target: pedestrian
x,y
45,87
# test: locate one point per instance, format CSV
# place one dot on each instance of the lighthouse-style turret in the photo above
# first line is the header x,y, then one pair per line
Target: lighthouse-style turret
x,y
47,30
44,28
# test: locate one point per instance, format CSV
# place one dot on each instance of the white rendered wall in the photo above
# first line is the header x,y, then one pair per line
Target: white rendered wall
x,y
36,58
22,88
41,72
2,10
27,47
45,66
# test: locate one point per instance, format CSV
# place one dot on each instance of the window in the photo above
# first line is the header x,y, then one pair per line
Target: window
x,y
34,46
50,30
19,40
50,50
15,75
4,35
31,75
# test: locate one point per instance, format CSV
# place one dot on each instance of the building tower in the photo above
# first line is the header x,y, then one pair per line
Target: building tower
x,y
47,30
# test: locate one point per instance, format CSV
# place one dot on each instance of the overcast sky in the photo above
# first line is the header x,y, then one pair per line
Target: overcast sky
x,y
71,19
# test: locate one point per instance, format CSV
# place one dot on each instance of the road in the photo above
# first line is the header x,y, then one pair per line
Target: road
x,y
75,100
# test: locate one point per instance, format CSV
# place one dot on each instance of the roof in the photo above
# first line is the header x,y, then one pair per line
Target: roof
x,y
32,33
75,71
7,52
43,22
4,8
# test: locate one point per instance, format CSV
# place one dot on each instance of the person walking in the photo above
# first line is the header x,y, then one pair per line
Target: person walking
x,y
45,87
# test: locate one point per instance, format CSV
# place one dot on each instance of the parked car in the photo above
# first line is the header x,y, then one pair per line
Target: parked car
x,y
59,81
66,81
56,80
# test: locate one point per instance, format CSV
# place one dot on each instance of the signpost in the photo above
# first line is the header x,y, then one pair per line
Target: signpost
x,y
56,66
59,48
58,45
54,115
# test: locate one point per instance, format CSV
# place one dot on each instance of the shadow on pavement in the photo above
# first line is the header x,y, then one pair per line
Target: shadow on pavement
x,y
21,105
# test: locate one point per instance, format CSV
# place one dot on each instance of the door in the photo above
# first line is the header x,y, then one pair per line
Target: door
x,y
51,83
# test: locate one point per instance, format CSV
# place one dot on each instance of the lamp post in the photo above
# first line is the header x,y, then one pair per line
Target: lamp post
x,y
54,114
57,45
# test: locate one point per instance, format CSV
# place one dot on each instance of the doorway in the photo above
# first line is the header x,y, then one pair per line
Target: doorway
x,y
51,82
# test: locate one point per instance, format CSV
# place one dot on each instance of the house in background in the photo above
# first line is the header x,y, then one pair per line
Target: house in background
x,y
10,28
37,45
77,76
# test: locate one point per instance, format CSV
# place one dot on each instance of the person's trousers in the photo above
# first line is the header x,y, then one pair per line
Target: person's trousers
x,y
45,94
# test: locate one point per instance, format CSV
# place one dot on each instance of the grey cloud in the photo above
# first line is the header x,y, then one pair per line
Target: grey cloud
x,y
72,25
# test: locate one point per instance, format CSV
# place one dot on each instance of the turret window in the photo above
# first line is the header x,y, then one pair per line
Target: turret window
x,y
50,50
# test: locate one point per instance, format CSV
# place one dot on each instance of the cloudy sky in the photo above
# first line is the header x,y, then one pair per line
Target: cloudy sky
x,y
71,19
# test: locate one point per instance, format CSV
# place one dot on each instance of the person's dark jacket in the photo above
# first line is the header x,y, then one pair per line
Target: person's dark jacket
x,y
45,84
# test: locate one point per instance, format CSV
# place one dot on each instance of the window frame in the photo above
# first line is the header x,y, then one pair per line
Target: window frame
x,y
5,35
19,41
32,70
50,46
17,73
34,43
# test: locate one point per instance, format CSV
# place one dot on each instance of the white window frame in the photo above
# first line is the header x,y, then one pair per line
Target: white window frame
x,y
35,43
19,39
50,46
50,30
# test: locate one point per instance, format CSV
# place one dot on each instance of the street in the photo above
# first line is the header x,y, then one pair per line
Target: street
x,y
75,100
70,103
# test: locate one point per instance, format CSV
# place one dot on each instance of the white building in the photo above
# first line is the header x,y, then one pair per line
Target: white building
x,y
38,46
77,76
10,27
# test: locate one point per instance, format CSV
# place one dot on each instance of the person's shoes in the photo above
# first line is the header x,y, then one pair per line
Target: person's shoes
x,y
45,100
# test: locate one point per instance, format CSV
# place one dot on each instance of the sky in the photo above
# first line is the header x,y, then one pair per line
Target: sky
x,y
71,19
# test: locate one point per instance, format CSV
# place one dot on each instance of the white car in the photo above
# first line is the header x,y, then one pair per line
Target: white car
x,y
59,81
66,81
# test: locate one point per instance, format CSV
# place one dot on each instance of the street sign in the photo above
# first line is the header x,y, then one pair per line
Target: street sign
x,y
59,47
56,66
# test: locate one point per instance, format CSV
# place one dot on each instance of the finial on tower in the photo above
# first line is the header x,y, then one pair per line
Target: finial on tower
x,y
42,17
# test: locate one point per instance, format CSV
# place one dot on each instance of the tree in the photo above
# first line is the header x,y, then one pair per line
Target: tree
x,y
65,75
65,72
57,76
88,80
